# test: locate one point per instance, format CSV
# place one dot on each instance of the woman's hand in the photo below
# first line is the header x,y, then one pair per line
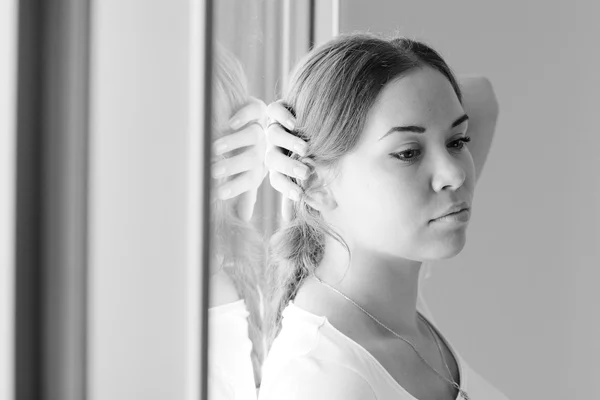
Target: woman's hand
x,y
249,163
281,167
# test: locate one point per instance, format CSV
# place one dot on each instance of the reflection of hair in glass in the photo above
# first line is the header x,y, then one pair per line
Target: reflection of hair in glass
x,y
331,92
236,242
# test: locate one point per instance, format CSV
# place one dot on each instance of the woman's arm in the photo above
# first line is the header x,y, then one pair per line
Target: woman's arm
x,y
481,105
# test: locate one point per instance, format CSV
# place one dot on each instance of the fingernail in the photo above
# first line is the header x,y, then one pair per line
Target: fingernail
x,y
220,147
294,195
290,124
300,149
235,123
224,193
217,172
300,172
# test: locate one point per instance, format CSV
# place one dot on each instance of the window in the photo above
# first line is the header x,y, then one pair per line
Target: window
x,y
111,192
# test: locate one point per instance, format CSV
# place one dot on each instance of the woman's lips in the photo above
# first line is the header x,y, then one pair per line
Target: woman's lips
x,y
460,216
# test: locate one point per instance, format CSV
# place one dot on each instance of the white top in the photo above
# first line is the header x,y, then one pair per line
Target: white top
x,y
230,371
311,360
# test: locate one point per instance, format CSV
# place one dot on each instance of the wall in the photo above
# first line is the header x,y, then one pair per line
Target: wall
x,y
519,301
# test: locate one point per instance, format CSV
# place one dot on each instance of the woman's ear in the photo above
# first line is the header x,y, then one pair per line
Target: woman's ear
x,y
319,195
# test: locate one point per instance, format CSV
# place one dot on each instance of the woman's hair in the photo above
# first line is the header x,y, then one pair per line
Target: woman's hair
x,y
236,242
331,93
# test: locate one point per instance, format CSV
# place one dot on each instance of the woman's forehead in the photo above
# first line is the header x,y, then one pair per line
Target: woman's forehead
x,y
422,96
419,89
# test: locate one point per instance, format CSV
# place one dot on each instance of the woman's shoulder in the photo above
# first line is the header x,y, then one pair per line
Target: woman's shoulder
x,y
309,377
310,358
299,334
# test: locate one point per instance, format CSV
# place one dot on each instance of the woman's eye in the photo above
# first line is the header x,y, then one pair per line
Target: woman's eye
x,y
411,155
407,156
461,142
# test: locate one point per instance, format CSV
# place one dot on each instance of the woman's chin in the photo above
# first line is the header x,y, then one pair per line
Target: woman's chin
x,y
447,248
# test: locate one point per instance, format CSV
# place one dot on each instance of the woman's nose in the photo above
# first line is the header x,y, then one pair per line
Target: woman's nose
x,y
448,171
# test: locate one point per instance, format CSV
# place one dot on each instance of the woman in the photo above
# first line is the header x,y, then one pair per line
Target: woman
x,y
387,173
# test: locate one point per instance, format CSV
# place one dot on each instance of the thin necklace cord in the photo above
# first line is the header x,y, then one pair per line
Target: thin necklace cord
x,y
452,382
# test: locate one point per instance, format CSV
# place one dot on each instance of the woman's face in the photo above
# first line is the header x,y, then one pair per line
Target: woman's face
x,y
391,187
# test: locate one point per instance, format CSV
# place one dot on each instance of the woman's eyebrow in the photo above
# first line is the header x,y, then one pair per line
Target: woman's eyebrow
x,y
420,129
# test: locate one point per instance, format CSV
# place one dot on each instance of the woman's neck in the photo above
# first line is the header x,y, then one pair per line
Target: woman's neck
x,y
385,286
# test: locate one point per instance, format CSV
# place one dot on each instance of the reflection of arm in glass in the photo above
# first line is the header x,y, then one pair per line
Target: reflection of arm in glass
x,y
238,170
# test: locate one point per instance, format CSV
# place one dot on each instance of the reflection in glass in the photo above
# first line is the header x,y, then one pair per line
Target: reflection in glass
x,y
235,337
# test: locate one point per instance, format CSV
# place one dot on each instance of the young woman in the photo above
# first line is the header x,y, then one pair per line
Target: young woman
x,y
384,181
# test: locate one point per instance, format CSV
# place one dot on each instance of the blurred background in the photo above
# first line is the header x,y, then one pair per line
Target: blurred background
x,y
103,154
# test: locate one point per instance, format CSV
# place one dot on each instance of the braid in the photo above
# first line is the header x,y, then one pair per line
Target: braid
x,y
295,251
292,259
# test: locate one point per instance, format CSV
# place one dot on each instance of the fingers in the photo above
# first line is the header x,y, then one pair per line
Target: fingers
x,y
246,181
276,161
277,136
250,172
245,161
255,110
285,186
277,112
248,166
245,204
249,136
281,167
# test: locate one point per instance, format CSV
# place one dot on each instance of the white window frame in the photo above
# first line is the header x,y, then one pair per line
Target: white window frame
x,y
148,286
